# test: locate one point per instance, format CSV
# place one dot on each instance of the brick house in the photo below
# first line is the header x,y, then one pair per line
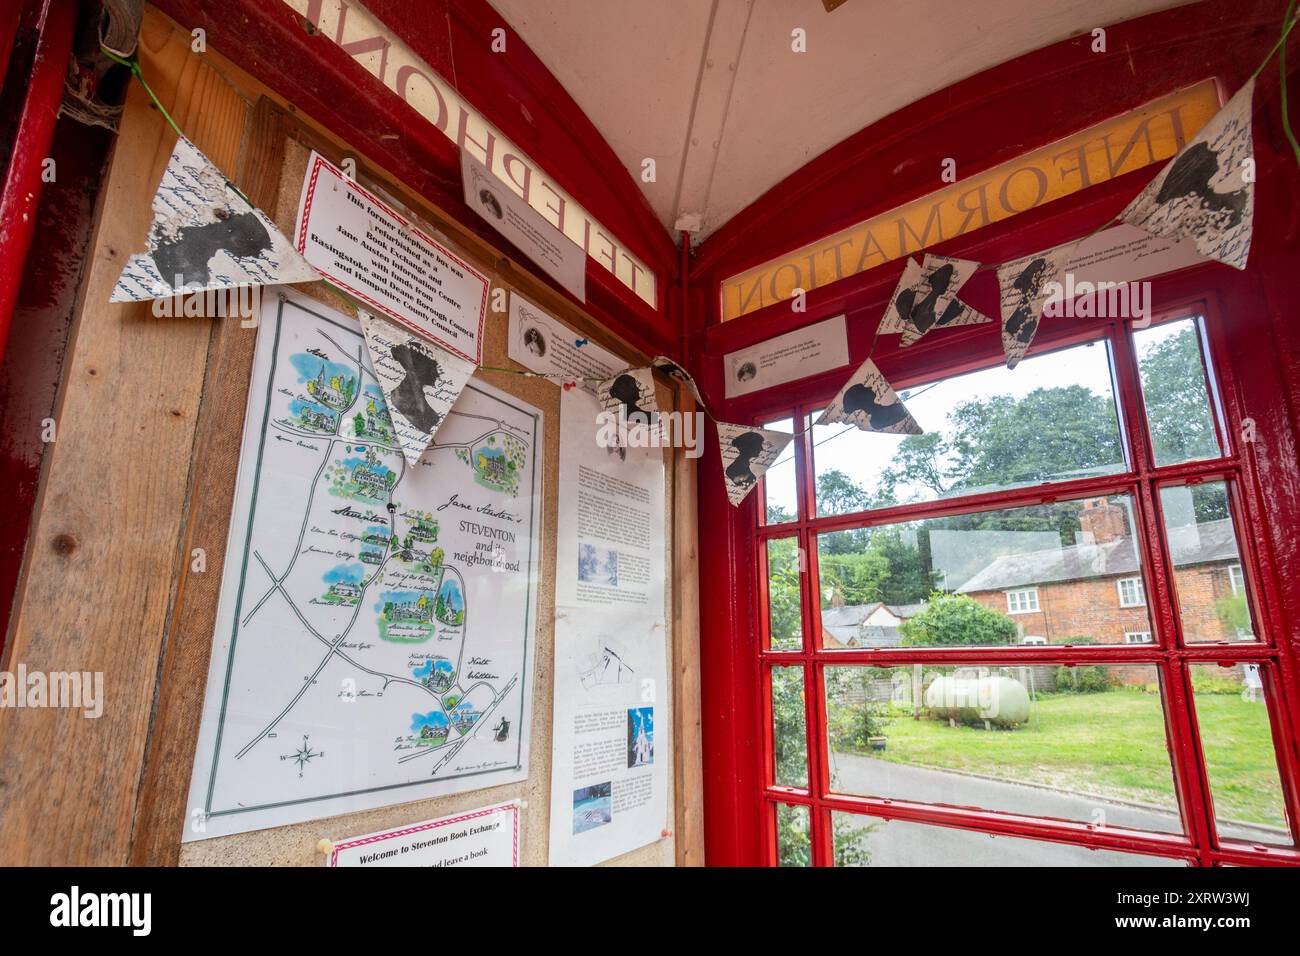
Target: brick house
x,y
1094,589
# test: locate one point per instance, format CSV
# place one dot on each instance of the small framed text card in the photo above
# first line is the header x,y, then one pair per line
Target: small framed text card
x,y
485,837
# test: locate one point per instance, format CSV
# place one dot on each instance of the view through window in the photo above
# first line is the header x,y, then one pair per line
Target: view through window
x,y
1037,616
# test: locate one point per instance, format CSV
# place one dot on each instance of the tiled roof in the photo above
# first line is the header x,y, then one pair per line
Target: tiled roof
x,y
1205,543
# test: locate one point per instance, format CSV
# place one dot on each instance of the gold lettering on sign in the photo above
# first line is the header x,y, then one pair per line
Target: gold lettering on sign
x,y
363,37
1149,134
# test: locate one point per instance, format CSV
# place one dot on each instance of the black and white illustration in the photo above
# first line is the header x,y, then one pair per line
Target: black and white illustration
x,y
868,401
630,395
419,380
1204,192
747,453
926,298
206,236
1023,288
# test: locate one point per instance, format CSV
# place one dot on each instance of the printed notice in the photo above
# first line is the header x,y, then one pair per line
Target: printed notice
x,y
611,742
786,358
611,532
484,837
519,222
541,344
373,253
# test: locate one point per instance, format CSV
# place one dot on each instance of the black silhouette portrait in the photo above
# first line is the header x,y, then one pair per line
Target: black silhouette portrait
x,y
921,314
408,397
626,390
1190,176
860,398
1022,323
187,255
748,447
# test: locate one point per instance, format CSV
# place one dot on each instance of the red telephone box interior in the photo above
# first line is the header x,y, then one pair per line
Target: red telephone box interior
x,y
801,707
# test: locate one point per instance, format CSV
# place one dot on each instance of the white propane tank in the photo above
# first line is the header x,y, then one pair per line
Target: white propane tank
x,y
1000,700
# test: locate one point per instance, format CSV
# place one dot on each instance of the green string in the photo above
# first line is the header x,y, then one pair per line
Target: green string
x,y
1290,21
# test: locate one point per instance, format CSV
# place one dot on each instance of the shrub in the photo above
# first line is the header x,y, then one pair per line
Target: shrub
x,y
1206,681
956,619
1088,679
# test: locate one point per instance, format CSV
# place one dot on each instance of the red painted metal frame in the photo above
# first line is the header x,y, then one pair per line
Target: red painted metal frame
x,y
1252,339
513,90
21,192
1169,654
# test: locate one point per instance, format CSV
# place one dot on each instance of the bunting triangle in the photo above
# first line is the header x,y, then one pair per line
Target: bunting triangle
x,y
1206,193
205,235
1024,286
868,401
420,381
747,453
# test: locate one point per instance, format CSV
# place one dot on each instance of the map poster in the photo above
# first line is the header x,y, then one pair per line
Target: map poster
x,y
378,256
374,634
611,737
488,836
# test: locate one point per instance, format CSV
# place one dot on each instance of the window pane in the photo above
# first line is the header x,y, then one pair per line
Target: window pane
x,y
867,841
789,727
1052,419
1179,416
1237,742
793,840
785,620
1080,743
1034,575
779,480
1213,601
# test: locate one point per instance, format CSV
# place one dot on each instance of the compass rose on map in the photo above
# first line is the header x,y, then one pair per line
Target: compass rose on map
x,y
303,755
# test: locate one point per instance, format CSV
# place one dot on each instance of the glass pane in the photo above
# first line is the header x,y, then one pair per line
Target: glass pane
x,y
1179,416
867,841
793,840
784,614
1043,574
1052,419
779,480
789,734
1237,742
1074,743
1213,600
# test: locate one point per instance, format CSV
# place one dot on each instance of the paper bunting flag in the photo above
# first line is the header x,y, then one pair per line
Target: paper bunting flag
x,y
747,453
1023,290
1205,193
926,298
677,373
420,382
205,236
868,401
631,395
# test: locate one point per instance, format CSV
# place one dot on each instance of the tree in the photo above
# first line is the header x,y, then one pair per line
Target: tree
x,y
785,623
1000,441
1178,409
956,619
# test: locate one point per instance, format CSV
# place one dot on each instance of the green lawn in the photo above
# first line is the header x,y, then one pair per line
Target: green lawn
x,y
1109,744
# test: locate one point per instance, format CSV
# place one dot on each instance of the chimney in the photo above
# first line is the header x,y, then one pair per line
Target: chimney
x,y
1101,522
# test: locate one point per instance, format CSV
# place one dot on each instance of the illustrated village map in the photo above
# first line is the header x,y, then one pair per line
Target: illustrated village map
x,y
375,630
